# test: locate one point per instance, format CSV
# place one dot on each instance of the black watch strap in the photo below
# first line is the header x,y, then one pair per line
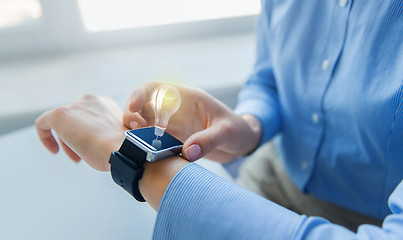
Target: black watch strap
x,y
127,164
127,168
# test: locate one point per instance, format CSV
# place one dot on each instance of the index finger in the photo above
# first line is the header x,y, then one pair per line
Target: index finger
x,y
44,131
141,96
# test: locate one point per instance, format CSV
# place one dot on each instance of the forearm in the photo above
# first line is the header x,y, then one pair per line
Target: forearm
x,y
200,205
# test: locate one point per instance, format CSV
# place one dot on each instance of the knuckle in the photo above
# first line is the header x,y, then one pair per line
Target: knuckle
x,y
89,96
61,111
198,95
226,128
38,122
201,91
153,83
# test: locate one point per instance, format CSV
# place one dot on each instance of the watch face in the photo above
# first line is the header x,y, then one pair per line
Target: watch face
x,y
150,140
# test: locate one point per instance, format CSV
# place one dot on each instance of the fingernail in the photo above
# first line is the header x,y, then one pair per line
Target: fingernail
x,y
134,125
193,152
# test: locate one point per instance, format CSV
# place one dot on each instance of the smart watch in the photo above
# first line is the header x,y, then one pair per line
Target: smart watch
x,y
140,145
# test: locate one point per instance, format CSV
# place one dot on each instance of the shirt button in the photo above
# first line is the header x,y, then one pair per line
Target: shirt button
x,y
325,64
304,165
342,3
315,118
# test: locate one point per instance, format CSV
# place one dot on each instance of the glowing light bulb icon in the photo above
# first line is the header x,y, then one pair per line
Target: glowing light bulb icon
x,y
165,101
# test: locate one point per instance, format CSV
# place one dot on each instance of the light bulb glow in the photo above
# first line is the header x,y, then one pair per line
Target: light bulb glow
x,y
165,101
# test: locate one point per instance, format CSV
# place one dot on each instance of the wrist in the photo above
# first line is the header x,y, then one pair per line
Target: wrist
x,y
110,145
253,133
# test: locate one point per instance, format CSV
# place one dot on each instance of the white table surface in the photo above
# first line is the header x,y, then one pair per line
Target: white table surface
x,y
45,196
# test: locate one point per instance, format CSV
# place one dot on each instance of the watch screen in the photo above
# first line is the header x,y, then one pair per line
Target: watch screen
x,y
153,139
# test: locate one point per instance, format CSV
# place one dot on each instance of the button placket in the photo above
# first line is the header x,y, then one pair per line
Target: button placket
x,y
325,64
315,118
342,3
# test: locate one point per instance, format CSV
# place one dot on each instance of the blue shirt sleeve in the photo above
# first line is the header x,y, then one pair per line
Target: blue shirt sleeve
x,y
259,94
200,205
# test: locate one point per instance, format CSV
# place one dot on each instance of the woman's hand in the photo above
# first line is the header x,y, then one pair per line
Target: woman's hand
x,y
89,129
208,127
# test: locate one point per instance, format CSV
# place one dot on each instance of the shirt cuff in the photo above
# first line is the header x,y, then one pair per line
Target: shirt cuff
x,y
200,205
267,116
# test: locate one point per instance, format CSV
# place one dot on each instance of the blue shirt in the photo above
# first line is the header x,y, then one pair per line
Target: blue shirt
x,y
328,78
200,205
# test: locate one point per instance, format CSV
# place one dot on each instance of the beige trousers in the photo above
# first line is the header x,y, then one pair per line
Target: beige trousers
x,y
264,174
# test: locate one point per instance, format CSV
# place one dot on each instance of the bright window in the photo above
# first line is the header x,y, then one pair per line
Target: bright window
x,y
19,13
36,27
109,15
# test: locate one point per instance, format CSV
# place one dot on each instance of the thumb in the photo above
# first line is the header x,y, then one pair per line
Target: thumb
x,y
201,143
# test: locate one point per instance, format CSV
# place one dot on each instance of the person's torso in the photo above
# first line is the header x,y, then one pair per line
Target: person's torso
x,y
339,70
